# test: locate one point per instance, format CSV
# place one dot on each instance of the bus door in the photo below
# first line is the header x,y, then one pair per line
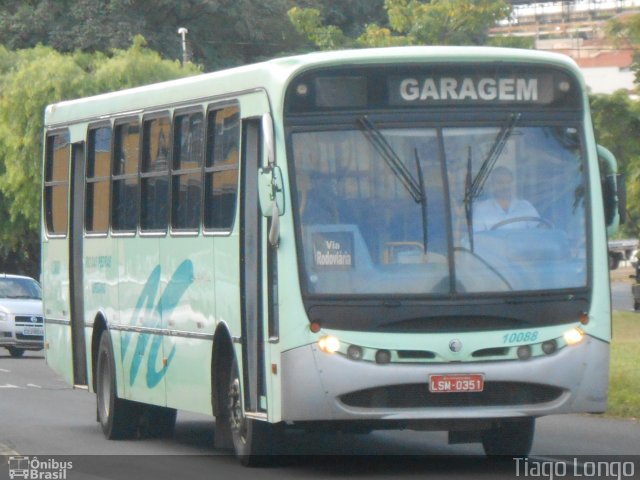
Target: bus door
x,y
76,294
252,244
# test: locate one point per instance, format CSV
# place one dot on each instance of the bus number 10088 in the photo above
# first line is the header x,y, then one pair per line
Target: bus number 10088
x,y
517,337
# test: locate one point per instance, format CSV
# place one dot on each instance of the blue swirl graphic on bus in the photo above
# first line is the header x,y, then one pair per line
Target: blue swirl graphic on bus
x,y
151,317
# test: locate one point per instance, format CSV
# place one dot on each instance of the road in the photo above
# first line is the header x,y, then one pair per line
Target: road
x,y
621,297
621,280
41,416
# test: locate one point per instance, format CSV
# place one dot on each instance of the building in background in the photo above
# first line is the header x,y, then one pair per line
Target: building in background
x,y
577,29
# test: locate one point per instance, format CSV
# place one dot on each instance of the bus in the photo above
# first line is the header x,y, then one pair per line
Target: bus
x,y
402,238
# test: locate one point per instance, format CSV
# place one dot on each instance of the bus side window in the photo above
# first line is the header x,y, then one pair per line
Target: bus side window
x,y
221,168
126,158
186,174
97,180
154,182
56,184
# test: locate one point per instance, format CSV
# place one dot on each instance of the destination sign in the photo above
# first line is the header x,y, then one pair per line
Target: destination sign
x,y
333,250
470,89
411,87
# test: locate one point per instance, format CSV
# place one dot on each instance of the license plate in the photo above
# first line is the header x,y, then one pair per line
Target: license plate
x,y
473,382
33,331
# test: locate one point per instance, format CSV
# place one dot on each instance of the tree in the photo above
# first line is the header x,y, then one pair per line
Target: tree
x,y
38,77
625,32
221,32
410,22
616,120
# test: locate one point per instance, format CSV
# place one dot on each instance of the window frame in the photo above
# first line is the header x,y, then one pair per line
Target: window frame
x,y
52,184
213,109
177,173
118,123
146,175
93,180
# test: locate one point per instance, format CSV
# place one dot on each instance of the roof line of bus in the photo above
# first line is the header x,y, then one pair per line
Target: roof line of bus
x,y
274,75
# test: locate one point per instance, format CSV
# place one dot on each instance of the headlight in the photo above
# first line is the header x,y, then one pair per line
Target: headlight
x,y
4,316
329,344
573,336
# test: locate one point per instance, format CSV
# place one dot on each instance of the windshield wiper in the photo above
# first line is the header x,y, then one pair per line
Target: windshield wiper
x,y
423,203
474,189
468,205
415,187
391,158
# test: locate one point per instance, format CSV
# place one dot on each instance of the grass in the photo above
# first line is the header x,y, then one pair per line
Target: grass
x,y
624,380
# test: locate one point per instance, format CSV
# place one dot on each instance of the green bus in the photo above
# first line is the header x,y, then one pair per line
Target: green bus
x,y
403,238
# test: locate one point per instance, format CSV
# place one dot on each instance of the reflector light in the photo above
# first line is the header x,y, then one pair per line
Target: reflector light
x,y
383,356
314,327
329,344
354,352
549,347
524,352
573,336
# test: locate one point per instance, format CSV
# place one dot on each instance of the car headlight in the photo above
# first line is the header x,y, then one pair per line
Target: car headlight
x,y
4,316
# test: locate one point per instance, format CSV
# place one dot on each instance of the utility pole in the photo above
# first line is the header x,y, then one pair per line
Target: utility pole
x,y
183,33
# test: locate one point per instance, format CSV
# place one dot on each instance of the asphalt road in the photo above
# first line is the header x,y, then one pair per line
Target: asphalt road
x,y
42,417
621,298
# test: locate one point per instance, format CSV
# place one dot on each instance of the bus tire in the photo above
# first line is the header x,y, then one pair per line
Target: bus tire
x,y
118,417
16,352
511,437
254,441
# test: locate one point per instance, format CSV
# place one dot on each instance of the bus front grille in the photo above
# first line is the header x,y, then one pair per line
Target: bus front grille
x,y
419,396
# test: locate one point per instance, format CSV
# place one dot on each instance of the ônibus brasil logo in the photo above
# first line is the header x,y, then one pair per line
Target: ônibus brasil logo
x,y
35,469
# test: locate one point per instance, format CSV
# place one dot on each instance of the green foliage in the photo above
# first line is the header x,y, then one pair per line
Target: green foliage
x,y
625,32
616,120
308,22
136,66
31,79
221,32
624,382
410,22
512,42
350,16
36,81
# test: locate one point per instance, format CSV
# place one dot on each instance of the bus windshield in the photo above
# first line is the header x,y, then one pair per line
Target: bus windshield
x,y
407,210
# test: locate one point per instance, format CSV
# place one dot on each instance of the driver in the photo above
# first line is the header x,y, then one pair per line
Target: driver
x,y
503,205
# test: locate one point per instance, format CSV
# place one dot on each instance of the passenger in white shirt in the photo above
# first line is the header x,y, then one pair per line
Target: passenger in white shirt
x,y
503,205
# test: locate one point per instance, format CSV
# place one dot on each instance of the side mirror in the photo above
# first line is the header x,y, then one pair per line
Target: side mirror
x,y
271,190
613,190
268,140
270,182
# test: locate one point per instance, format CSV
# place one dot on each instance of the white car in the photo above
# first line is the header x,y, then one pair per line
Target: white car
x,y
21,317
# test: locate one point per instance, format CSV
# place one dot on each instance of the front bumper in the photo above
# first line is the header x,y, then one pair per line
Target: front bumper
x,y
317,386
18,335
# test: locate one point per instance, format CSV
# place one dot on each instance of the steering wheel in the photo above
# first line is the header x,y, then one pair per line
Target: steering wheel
x,y
539,220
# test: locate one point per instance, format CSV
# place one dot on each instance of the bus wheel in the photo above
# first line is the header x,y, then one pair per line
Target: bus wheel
x,y
253,440
512,437
15,352
119,418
